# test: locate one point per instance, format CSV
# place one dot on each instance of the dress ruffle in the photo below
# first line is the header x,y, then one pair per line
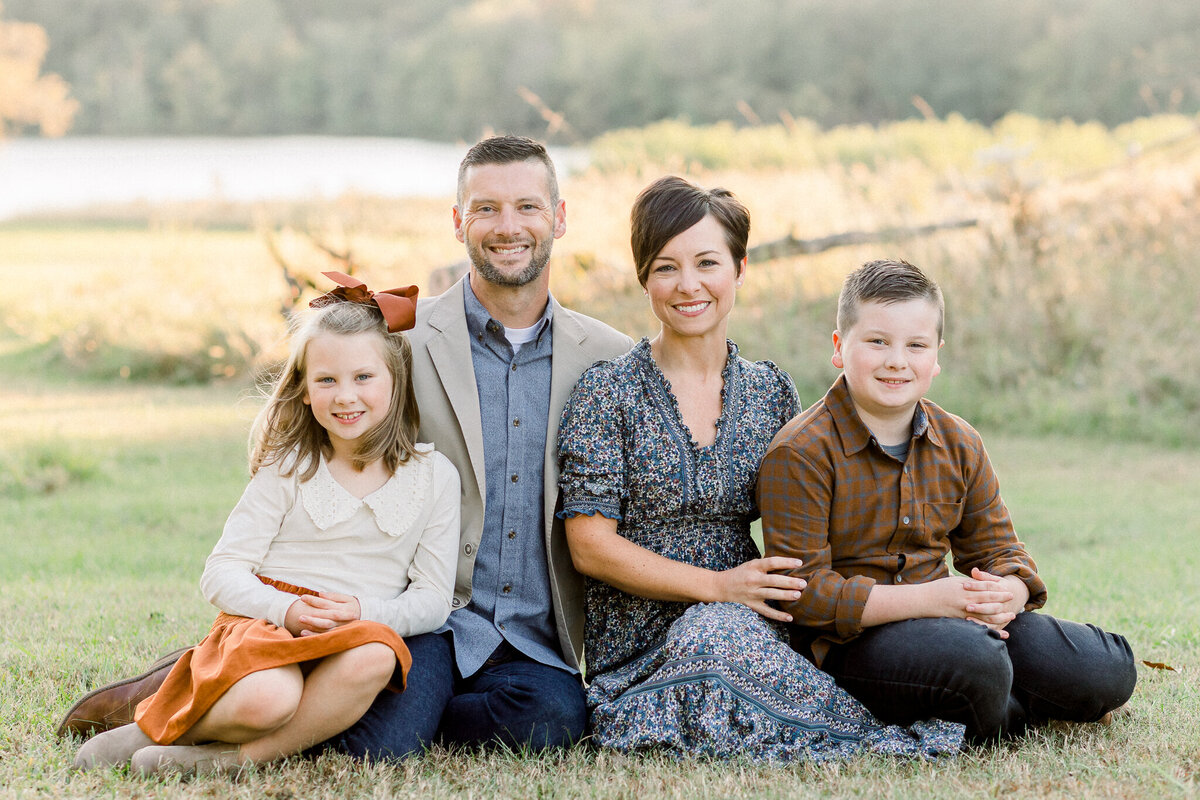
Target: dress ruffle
x,y
726,684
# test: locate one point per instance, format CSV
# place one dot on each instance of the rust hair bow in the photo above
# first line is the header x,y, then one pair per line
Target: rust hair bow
x,y
399,306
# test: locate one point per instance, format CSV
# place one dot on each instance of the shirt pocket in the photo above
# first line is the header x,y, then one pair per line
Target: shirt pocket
x,y
938,519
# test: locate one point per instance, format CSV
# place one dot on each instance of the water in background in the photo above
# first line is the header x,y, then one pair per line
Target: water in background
x,y
57,174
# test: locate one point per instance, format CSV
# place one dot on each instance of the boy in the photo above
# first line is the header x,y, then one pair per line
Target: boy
x,y
872,487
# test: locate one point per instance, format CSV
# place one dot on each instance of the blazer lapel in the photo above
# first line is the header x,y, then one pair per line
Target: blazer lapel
x,y
450,351
570,359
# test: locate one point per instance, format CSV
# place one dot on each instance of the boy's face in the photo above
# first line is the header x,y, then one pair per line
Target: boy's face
x,y
889,356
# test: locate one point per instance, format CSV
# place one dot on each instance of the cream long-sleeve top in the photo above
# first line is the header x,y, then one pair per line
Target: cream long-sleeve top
x,y
395,549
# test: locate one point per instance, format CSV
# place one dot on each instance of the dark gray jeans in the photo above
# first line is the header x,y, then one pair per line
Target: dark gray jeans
x,y
958,670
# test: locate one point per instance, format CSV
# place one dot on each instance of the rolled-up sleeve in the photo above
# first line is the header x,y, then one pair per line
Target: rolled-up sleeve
x,y
795,498
985,537
591,448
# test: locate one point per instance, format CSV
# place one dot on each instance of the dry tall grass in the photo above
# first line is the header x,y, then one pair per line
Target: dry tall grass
x,y
1069,303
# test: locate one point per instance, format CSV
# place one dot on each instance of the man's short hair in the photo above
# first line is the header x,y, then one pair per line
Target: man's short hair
x,y
507,150
886,281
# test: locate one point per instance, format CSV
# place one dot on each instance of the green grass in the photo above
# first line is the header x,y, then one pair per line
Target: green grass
x,y
99,576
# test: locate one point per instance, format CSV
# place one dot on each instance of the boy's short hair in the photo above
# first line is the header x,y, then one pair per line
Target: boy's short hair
x,y
506,149
886,281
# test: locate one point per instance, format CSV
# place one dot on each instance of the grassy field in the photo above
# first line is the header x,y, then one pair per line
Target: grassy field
x,y
113,496
128,339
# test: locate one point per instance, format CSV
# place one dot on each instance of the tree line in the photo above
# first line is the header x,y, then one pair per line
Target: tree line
x,y
569,70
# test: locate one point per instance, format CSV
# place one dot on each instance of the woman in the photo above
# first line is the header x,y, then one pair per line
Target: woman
x,y
659,451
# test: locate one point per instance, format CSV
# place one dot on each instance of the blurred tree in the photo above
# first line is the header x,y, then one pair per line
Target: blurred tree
x,y
454,69
27,97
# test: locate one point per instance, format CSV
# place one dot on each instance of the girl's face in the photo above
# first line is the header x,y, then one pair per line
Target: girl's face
x,y
693,281
348,386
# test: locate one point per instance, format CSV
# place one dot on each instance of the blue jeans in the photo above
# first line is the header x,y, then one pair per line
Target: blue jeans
x,y
512,700
957,670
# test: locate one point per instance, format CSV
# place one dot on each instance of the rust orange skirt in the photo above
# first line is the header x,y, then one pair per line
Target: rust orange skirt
x,y
237,646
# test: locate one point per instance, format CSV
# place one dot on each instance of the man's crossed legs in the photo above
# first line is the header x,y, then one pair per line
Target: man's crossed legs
x,y
511,700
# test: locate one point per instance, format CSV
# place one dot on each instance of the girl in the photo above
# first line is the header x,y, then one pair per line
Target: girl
x,y
342,501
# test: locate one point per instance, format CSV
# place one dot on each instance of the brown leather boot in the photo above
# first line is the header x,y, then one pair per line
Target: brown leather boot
x,y
113,705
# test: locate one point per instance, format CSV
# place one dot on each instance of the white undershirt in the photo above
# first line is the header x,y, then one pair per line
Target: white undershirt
x,y
519,336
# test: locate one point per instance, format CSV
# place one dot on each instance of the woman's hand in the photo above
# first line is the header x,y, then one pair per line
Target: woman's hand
x,y
754,583
313,614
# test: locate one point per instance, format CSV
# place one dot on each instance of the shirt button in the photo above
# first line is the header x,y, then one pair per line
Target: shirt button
x,y
500,626
514,367
507,588
468,548
899,579
512,534
517,422
905,520
456,602
515,478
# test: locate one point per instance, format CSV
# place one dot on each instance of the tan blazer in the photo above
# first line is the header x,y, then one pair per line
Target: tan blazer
x,y
444,380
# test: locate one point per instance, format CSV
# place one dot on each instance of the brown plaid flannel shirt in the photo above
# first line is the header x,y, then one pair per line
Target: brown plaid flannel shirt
x,y
831,496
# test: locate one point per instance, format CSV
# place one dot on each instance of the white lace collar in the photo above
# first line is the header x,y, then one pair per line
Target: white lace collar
x,y
395,504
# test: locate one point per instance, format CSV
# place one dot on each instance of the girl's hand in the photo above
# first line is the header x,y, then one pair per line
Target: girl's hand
x,y
324,611
754,583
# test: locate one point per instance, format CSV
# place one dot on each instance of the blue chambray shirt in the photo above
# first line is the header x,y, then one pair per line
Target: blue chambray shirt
x,y
510,597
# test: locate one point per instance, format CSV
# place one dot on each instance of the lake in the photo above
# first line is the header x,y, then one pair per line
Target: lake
x,y
57,174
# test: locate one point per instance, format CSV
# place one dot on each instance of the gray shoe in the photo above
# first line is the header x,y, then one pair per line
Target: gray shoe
x,y
111,748
188,760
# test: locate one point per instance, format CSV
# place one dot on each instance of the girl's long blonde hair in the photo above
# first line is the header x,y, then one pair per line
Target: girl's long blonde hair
x,y
286,424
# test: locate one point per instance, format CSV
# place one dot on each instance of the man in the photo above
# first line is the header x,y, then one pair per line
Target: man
x,y
494,360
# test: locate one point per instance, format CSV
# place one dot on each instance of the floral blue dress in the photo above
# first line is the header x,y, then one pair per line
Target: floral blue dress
x,y
714,679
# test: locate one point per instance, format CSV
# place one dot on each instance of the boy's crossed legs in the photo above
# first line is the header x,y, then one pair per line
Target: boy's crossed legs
x,y
961,671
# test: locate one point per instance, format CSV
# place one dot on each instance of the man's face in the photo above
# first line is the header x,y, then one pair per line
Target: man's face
x,y
508,221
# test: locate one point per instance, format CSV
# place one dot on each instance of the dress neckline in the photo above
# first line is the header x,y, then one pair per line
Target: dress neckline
x,y
643,352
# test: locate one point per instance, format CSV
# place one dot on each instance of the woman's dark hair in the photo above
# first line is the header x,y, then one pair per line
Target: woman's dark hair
x,y
671,205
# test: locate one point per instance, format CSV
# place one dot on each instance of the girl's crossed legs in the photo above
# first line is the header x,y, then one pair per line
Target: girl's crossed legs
x,y
263,717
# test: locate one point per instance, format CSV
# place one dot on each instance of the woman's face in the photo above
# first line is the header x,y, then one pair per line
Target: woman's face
x,y
693,281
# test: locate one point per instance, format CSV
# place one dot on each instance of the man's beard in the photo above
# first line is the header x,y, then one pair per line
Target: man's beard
x,y
538,259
